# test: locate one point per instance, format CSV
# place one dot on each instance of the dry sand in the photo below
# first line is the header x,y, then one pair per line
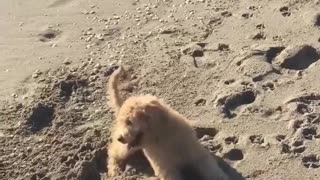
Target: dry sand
x,y
245,72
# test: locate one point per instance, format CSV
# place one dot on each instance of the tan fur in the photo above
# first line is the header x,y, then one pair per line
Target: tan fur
x,y
117,152
168,141
113,91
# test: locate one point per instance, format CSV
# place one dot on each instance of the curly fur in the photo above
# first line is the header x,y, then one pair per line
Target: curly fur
x,y
167,140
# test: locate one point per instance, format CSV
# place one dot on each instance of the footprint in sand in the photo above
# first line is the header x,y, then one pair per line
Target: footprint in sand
x,y
256,139
268,86
205,131
294,145
210,144
231,140
297,146
304,129
196,52
285,11
200,102
228,104
229,81
311,161
307,106
206,138
309,132
306,117
298,57
257,63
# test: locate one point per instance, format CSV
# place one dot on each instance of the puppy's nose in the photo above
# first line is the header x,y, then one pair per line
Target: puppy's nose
x,y
121,139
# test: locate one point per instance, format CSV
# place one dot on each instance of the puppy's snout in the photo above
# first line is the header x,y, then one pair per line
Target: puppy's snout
x,y
122,140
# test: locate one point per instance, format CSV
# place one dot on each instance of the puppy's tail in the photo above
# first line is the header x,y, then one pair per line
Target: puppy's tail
x,y
113,91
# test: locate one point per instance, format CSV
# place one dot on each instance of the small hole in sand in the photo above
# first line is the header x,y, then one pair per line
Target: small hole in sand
x,y
202,131
200,102
230,81
234,155
302,59
236,100
309,132
297,143
280,137
302,108
246,97
273,52
41,116
48,35
197,53
71,84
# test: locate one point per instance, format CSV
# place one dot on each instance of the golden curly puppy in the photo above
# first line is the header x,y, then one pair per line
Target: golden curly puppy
x,y
117,151
167,140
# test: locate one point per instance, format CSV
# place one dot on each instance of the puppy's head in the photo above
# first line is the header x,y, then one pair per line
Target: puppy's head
x,y
135,119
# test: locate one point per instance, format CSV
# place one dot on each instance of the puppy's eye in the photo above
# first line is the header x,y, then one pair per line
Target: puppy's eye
x,y
128,123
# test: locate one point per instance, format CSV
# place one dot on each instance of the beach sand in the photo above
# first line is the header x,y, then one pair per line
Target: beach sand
x,y
245,73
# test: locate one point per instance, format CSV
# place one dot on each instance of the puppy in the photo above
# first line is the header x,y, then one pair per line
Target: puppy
x,y
118,152
167,140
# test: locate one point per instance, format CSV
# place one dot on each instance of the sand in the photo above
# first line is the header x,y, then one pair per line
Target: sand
x,y
245,73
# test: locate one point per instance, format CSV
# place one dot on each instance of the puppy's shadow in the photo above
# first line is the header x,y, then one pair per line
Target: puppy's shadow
x,y
232,173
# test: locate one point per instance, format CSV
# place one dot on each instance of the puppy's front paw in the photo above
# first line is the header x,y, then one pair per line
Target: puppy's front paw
x,y
114,170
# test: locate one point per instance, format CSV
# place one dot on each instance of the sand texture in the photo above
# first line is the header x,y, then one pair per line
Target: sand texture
x,y
244,72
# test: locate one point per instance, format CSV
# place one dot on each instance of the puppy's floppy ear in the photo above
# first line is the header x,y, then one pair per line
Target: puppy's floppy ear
x,y
154,110
152,107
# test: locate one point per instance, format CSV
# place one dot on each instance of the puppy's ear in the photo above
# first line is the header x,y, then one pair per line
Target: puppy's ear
x,y
152,107
154,110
